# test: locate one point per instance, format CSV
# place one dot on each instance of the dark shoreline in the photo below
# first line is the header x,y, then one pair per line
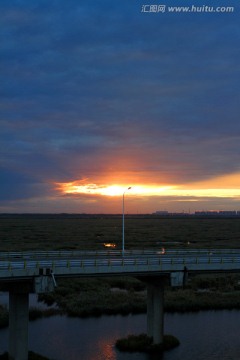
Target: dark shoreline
x,y
31,356
124,295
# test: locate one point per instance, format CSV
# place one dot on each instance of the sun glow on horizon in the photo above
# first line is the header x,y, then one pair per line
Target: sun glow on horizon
x,y
110,190
218,187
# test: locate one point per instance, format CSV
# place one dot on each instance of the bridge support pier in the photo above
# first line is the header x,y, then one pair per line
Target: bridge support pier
x,y
155,312
18,325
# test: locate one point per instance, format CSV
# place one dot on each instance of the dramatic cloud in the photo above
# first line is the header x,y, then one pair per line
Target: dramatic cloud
x,y
104,93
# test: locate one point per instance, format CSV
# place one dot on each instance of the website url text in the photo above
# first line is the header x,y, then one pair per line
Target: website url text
x,y
184,9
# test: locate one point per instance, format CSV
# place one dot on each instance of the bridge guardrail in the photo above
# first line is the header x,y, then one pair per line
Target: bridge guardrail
x,y
114,262
39,254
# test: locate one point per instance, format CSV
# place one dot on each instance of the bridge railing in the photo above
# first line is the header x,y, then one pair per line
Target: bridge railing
x,y
14,255
114,262
27,264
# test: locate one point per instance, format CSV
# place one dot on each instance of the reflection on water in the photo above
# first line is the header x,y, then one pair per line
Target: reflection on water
x,y
88,339
210,335
106,350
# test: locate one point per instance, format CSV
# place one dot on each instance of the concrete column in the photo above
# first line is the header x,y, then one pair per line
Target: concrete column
x,y
155,312
18,325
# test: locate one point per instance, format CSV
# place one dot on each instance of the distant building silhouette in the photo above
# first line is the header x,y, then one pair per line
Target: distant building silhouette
x,y
222,213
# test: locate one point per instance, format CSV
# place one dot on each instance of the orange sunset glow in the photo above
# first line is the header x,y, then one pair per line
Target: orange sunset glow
x,y
110,190
221,187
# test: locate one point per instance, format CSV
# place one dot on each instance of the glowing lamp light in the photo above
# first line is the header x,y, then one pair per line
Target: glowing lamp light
x,y
109,245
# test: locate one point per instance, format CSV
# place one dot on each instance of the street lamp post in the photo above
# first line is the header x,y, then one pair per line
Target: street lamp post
x,y
123,245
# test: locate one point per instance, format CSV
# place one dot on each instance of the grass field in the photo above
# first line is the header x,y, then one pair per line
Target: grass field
x,y
55,232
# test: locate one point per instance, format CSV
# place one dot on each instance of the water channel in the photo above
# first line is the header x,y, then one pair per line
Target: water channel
x,y
204,335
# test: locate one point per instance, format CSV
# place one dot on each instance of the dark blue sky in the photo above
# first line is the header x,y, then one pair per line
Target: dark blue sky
x,y
102,93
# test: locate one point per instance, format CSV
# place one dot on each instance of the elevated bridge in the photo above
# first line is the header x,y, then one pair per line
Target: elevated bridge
x,y
38,271
29,264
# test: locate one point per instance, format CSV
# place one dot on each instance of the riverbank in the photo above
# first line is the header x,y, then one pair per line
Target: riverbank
x,y
125,295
